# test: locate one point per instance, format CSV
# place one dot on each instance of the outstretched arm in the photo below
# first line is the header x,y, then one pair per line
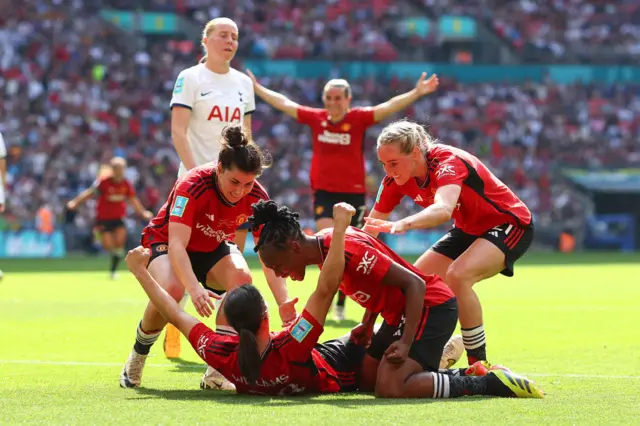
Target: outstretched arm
x,y
81,198
400,102
275,99
139,208
331,275
137,263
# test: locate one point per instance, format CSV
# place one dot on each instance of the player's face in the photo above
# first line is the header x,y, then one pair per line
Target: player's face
x,y
222,42
286,263
118,171
336,102
401,167
234,183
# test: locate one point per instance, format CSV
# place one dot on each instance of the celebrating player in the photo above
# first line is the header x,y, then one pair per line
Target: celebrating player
x,y
206,98
3,172
338,163
493,228
419,311
292,362
195,228
113,191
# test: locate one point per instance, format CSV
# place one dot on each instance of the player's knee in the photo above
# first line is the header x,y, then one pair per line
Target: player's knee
x,y
456,278
176,291
387,389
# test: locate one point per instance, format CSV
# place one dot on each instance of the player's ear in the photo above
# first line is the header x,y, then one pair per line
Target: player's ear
x,y
295,246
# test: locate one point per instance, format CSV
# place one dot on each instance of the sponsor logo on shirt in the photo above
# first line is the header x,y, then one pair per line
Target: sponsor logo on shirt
x,y
219,235
225,114
179,205
301,329
179,87
361,296
367,263
209,216
335,138
283,379
201,346
445,170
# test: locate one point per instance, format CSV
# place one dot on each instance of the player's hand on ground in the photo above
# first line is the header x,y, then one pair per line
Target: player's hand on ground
x,y
426,86
137,258
147,215
342,214
397,352
288,312
361,335
385,226
202,301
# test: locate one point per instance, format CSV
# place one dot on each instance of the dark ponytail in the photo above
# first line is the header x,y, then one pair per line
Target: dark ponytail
x,y
245,309
240,151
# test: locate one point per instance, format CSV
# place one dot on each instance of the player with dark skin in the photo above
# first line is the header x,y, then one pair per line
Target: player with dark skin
x,y
420,309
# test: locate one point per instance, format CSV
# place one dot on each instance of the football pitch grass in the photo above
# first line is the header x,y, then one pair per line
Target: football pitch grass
x,y
570,323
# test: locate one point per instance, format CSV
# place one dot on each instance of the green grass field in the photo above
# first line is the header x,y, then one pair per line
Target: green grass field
x,y
567,322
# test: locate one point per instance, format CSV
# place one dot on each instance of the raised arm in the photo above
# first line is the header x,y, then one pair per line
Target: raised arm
x,y
81,198
423,87
275,99
331,275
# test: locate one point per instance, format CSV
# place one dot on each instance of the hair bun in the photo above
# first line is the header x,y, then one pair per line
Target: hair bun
x,y
235,136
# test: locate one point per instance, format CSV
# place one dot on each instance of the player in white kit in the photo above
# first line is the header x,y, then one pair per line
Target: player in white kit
x,y
206,98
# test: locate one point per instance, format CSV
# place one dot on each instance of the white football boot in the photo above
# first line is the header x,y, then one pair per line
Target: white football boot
x,y
213,380
131,375
452,352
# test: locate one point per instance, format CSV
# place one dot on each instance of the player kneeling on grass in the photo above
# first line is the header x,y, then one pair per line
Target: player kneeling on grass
x,y
255,360
420,312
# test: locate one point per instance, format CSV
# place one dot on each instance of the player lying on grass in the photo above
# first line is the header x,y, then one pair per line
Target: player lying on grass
x,y
419,311
190,241
255,360
292,362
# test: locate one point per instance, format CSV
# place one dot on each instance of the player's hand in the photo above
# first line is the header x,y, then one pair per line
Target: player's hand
x,y
147,215
201,299
137,258
252,77
342,214
288,312
386,226
361,335
72,205
397,352
425,86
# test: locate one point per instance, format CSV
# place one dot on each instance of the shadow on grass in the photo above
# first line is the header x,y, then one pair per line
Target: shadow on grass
x,y
181,365
346,400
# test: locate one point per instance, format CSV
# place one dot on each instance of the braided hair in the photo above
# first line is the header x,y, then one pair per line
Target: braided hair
x,y
279,224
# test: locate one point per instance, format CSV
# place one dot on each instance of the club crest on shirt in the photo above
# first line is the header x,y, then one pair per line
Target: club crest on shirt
x,y
179,205
241,219
301,329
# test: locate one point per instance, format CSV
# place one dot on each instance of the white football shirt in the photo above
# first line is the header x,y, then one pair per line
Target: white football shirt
x,y
215,100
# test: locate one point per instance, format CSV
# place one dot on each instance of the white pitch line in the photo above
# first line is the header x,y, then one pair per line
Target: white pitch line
x,y
199,367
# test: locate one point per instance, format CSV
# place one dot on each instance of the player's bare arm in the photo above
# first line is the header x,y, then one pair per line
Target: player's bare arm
x,y
81,198
3,179
414,289
246,125
370,229
140,210
137,260
445,202
278,287
179,235
275,99
333,267
423,87
180,117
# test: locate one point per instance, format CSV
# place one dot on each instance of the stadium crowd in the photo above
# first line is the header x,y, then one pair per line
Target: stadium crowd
x,y
76,92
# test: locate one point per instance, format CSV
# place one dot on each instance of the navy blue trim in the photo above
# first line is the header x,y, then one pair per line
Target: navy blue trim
x,y
181,105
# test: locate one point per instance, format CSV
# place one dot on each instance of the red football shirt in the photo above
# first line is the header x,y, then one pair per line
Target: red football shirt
x,y
484,201
112,198
337,164
196,201
367,262
290,363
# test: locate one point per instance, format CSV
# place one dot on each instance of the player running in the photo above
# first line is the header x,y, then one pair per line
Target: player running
x,y
195,228
292,362
338,131
493,228
206,98
113,191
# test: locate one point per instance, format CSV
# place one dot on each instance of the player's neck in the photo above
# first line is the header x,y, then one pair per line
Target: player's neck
x,y
312,250
338,118
218,67
263,338
421,172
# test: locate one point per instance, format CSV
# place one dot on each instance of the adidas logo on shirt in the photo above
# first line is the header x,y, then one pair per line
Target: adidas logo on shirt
x,y
418,199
